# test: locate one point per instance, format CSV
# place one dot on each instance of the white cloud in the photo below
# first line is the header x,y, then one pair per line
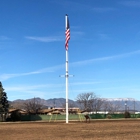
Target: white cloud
x,y
103,9
85,83
25,88
45,39
103,36
105,58
78,63
4,38
75,33
34,90
4,77
131,3
76,5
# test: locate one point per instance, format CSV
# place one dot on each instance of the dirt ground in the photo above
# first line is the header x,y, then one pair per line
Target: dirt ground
x,y
95,130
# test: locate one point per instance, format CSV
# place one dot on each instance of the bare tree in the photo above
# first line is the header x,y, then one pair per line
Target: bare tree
x,y
106,106
86,100
17,105
111,107
33,106
98,104
116,106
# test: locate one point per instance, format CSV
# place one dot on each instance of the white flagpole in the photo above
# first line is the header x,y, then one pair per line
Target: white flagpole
x,y
67,75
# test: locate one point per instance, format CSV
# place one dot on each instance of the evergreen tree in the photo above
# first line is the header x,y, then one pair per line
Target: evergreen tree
x,y
4,105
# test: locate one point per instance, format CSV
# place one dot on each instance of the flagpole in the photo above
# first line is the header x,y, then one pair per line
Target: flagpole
x,y
67,75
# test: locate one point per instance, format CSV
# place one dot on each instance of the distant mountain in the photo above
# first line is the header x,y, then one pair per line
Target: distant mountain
x,y
60,102
55,102
119,99
125,103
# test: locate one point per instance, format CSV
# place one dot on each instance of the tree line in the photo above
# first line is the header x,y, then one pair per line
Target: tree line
x,y
89,102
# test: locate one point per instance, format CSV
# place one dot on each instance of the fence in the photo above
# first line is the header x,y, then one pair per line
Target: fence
x,y
113,116
55,117
78,117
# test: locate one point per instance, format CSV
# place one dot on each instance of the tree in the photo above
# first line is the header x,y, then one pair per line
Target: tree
x,y
33,106
86,100
98,104
111,107
107,106
4,105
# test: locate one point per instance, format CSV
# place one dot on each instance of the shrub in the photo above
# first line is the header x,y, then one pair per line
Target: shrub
x,y
15,116
109,116
127,114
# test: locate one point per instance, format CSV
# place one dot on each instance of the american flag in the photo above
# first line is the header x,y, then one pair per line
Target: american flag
x,y
67,33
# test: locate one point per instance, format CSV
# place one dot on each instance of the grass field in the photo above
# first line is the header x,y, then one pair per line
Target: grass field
x,y
95,130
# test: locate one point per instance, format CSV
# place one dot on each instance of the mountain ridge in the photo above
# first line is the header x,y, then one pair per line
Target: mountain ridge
x,y
128,103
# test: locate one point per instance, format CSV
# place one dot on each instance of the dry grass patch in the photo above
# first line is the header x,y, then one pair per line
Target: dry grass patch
x,y
99,130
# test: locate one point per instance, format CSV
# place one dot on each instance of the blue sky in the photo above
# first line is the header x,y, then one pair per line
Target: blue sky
x,y
104,49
